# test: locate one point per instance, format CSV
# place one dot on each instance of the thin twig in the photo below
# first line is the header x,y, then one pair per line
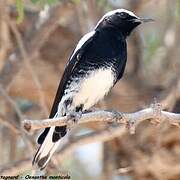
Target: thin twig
x,y
28,65
16,168
67,148
7,124
33,41
18,111
172,96
11,102
73,143
124,170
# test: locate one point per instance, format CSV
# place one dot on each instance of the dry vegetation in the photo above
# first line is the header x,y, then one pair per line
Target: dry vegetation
x,y
32,58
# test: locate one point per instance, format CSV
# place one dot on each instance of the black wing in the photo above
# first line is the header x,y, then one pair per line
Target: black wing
x,y
73,61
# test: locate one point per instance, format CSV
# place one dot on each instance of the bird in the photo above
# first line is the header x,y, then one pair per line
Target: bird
x,y
96,64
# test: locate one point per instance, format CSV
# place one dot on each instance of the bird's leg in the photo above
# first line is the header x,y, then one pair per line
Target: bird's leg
x,y
73,117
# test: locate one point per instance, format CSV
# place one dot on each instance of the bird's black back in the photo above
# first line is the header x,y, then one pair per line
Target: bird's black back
x,y
106,48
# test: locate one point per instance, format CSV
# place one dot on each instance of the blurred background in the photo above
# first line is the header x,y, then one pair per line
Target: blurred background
x,y
36,40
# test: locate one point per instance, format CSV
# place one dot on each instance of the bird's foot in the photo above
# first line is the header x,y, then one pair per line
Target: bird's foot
x,y
72,119
90,110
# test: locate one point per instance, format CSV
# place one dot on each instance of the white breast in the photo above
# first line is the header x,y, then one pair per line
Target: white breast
x,y
94,87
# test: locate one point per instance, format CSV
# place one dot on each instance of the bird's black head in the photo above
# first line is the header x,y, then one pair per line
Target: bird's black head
x,y
121,19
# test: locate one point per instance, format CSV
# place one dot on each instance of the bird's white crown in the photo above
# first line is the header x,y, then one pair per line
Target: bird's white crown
x,y
110,13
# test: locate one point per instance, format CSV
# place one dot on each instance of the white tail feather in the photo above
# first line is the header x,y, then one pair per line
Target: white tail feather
x,y
46,150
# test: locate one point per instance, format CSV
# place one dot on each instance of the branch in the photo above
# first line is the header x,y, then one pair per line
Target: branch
x,y
20,115
72,142
16,168
4,122
172,96
34,40
130,119
6,96
28,65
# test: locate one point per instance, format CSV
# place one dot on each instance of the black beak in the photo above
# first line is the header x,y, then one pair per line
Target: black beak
x,y
145,20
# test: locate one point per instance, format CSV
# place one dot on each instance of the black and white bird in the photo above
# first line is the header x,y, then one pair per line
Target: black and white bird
x,y
95,66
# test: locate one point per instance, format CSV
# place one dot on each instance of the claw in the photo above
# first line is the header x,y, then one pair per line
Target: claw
x,y
72,119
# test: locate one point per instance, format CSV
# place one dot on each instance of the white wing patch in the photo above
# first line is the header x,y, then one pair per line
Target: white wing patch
x,y
94,87
82,41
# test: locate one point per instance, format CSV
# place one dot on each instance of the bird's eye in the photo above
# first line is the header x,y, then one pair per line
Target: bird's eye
x,y
123,15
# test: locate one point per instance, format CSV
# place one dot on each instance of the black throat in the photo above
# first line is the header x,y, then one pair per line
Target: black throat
x,y
111,45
